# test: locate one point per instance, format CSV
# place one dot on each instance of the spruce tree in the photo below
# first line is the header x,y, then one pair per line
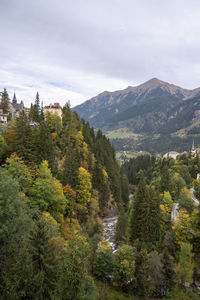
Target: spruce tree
x,y
31,114
125,190
36,110
42,112
45,263
144,221
139,213
165,180
185,267
70,167
74,281
102,185
45,148
5,101
142,271
120,232
23,142
154,218
168,270
15,230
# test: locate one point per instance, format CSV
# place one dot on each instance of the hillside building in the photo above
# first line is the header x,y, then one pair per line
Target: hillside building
x,y
3,117
15,108
171,154
194,151
55,109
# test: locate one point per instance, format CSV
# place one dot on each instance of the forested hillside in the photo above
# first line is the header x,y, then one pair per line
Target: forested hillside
x,y
57,180
161,226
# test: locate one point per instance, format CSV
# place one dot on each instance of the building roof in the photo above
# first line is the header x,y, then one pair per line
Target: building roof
x,y
14,100
55,106
18,106
173,152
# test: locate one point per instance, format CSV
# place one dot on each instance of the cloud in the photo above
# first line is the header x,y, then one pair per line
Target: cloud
x,y
77,49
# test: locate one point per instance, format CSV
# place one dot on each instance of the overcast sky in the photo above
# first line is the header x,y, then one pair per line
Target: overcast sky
x,y
75,49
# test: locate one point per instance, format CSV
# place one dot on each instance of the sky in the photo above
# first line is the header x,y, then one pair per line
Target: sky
x,y
72,50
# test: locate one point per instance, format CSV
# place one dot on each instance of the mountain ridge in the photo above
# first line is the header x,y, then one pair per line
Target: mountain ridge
x,y
130,96
154,108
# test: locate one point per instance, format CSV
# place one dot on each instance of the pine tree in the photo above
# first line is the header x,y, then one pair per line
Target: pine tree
x,y
67,115
44,145
142,271
120,232
71,165
185,265
168,270
165,180
101,183
36,110
23,142
15,229
154,218
31,114
74,282
5,101
125,190
144,221
138,226
45,263
42,112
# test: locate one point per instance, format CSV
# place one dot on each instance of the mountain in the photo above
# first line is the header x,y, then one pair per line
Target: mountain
x,y
148,111
107,104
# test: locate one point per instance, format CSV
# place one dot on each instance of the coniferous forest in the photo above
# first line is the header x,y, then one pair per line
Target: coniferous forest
x,y
58,180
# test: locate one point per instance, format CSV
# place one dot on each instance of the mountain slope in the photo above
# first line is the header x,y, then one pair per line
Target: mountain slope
x,y
108,104
147,113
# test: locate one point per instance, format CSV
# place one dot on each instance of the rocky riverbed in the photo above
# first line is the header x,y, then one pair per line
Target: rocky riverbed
x,y
109,225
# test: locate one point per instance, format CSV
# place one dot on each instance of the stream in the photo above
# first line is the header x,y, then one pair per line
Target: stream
x,y
109,225
193,196
175,209
174,212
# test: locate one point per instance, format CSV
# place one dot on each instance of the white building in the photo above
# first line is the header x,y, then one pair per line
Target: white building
x,y
171,154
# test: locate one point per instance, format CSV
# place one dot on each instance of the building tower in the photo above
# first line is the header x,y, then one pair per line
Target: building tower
x,y
193,145
14,100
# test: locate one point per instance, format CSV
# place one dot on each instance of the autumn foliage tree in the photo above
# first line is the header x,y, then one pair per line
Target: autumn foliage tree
x,y
47,193
182,227
83,191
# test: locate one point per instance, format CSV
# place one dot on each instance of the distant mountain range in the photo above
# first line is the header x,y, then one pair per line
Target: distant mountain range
x,y
155,116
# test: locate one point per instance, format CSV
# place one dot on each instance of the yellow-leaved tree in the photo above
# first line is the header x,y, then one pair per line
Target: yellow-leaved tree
x,y
47,192
182,227
83,192
167,205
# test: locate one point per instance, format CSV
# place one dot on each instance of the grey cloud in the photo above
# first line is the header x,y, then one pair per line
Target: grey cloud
x,y
128,40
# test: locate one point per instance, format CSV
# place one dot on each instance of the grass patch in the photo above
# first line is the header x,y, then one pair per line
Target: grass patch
x,y
131,154
121,133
